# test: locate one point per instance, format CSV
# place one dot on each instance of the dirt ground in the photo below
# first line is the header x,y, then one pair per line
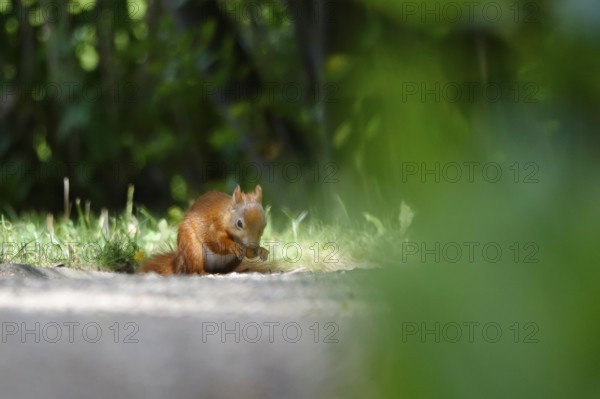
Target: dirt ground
x,y
74,334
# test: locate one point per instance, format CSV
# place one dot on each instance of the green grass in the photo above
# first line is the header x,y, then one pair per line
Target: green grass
x,y
119,242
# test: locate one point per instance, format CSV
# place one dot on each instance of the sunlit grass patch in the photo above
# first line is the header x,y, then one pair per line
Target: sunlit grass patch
x,y
120,242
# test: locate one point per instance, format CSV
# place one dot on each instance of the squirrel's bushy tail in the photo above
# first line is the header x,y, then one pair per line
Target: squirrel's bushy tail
x,y
161,264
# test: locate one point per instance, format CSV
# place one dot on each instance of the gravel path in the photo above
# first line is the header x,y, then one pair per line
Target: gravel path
x,y
74,334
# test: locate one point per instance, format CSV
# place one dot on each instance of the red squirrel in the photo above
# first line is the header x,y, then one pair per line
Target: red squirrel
x,y
215,234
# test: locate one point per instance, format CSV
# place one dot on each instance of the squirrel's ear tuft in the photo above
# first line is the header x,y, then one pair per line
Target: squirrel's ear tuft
x,y
258,193
237,195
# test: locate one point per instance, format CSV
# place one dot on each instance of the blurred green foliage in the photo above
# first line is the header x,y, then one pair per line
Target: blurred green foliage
x,y
178,97
116,92
544,127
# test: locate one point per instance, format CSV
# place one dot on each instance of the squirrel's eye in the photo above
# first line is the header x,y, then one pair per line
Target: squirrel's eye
x,y
240,224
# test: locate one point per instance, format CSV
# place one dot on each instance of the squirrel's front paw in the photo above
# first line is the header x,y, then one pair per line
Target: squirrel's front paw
x,y
239,250
263,253
257,252
251,252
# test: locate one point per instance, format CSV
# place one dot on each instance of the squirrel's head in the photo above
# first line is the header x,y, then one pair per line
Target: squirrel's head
x,y
247,221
